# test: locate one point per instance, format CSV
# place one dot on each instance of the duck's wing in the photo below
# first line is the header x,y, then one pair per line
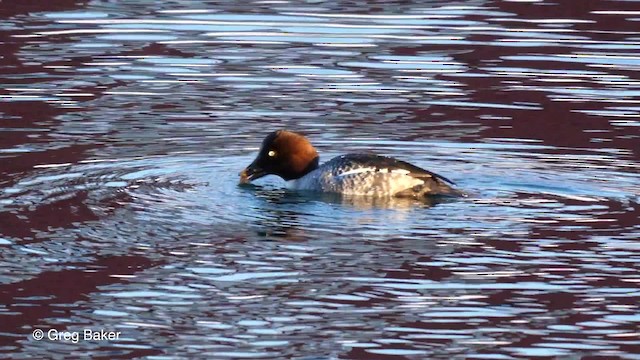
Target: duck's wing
x,y
381,163
389,174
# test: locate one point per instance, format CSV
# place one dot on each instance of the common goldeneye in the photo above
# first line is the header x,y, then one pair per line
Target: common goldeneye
x,y
291,156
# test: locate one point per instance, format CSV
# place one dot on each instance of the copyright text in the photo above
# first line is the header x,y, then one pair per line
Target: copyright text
x,y
75,336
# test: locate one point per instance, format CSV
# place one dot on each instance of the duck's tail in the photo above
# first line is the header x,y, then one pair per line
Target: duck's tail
x,y
432,186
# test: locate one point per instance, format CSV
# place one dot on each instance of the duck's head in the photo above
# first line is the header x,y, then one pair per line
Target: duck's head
x,y
283,153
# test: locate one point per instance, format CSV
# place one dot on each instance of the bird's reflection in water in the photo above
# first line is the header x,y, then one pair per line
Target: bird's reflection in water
x,y
284,196
287,214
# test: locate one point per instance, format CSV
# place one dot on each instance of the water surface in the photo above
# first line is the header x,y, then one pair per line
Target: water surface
x,y
124,126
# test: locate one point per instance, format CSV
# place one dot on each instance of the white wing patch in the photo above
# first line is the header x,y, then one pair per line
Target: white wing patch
x,y
372,169
357,171
400,171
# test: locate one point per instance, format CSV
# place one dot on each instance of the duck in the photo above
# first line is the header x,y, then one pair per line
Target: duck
x,y
292,157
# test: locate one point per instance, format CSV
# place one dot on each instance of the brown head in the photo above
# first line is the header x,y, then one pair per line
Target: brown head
x,y
283,153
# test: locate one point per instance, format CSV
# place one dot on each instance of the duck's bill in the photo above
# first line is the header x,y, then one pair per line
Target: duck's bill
x,y
252,172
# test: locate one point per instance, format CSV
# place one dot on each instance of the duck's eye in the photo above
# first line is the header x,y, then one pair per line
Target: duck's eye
x,y
271,153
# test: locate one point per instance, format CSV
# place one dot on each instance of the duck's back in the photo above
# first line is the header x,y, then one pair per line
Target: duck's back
x,y
374,175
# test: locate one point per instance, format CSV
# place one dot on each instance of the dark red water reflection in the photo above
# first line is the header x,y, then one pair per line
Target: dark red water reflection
x,y
61,287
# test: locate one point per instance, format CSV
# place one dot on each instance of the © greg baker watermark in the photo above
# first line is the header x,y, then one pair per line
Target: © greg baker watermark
x,y
75,336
